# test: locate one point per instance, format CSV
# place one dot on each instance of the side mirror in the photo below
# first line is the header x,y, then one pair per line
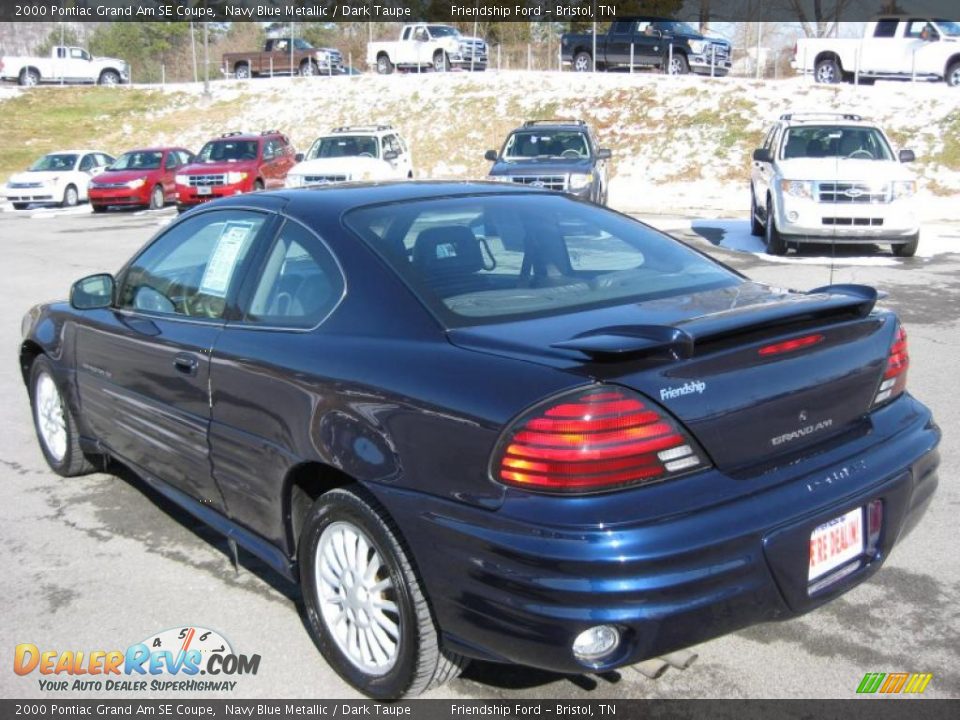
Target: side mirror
x,y
490,155
93,291
298,157
604,154
391,155
762,155
907,156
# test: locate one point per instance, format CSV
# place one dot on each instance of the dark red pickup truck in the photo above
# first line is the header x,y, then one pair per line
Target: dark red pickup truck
x,y
284,56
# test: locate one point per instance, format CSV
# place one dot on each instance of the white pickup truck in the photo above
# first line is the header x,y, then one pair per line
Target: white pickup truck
x,y
65,64
892,47
426,45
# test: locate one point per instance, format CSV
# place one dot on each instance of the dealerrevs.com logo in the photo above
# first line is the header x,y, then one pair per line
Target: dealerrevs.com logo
x,y
172,660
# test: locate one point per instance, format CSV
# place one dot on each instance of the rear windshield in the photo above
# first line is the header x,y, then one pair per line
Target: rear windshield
x,y
835,141
227,150
344,146
138,160
487,259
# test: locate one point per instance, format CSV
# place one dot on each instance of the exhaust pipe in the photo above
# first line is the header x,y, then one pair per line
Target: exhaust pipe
x,y
652,668
681,660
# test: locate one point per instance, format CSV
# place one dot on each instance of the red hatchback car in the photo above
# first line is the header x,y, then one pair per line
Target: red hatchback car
x,y
142,177
235,163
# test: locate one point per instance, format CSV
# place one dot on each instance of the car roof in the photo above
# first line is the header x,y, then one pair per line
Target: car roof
x,y
159,148
341,197
76,152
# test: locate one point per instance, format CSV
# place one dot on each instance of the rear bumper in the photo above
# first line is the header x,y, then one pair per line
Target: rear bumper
x,y
520,583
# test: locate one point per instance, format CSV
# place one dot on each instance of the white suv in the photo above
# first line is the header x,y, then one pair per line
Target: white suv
x,y
832,178
375,152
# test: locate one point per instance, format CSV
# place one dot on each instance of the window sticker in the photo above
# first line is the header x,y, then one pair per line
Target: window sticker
x,y
233,238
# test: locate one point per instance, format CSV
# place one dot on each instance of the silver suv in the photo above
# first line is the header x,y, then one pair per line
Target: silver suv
x,y
832,178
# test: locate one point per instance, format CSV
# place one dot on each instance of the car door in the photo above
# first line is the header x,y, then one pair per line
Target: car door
x,y
88,167
398,167
763,172
143,365
171,162
267,376
617,44
880,52
271,167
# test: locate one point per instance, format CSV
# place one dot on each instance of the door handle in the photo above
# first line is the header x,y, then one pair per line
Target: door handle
x,y
186,363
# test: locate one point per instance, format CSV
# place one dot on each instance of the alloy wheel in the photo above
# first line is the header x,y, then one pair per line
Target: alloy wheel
x,y
357,598
51,423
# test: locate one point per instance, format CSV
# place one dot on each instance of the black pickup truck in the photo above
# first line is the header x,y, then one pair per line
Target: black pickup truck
x,y
669,45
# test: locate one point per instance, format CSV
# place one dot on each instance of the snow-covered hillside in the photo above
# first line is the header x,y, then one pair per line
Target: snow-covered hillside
x,y
680,144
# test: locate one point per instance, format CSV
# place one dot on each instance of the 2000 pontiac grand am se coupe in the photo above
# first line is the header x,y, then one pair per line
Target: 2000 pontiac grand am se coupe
x,y
479,421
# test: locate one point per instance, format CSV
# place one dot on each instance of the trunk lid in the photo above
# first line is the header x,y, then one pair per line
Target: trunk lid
x,y
700,357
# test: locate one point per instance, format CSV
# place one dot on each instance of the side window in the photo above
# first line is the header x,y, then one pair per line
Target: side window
x,y
406,33
104,159
189,271
61,52
886,28
390,144
300,284
88,163
272,150
185,157
172,160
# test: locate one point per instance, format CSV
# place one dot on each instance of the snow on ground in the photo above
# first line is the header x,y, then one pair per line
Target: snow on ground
x,y
935,239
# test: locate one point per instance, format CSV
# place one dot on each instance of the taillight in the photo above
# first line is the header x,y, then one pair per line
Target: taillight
x,y
594,440
895,374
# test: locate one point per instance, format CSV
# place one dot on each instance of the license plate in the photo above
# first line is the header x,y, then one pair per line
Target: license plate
x,y
835,543
204,190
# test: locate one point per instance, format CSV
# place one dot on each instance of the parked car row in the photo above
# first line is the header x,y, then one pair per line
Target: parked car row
x,y
818,177
554,154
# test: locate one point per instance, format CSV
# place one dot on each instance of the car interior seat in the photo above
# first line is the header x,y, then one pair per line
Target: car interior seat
x,y
448,259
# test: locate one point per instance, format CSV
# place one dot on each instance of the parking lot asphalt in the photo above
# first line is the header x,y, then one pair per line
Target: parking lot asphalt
x,y
101,562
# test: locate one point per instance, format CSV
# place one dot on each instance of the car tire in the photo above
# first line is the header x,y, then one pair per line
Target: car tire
x,y
377,594
774,241
54,424
678,65
156,198
257,185
583,62
308,68
242,71
109,77
29,77
20,206
441,61
384,66
98,208
827,72
952,78
70,196
756,227
909,248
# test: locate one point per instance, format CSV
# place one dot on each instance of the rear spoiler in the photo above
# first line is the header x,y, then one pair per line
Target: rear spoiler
x,y
622,341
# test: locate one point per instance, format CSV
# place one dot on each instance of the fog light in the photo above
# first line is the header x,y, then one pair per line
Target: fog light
x,y
792,216
596,643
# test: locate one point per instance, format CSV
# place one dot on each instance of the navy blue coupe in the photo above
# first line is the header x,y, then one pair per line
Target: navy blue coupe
x,y
485,421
